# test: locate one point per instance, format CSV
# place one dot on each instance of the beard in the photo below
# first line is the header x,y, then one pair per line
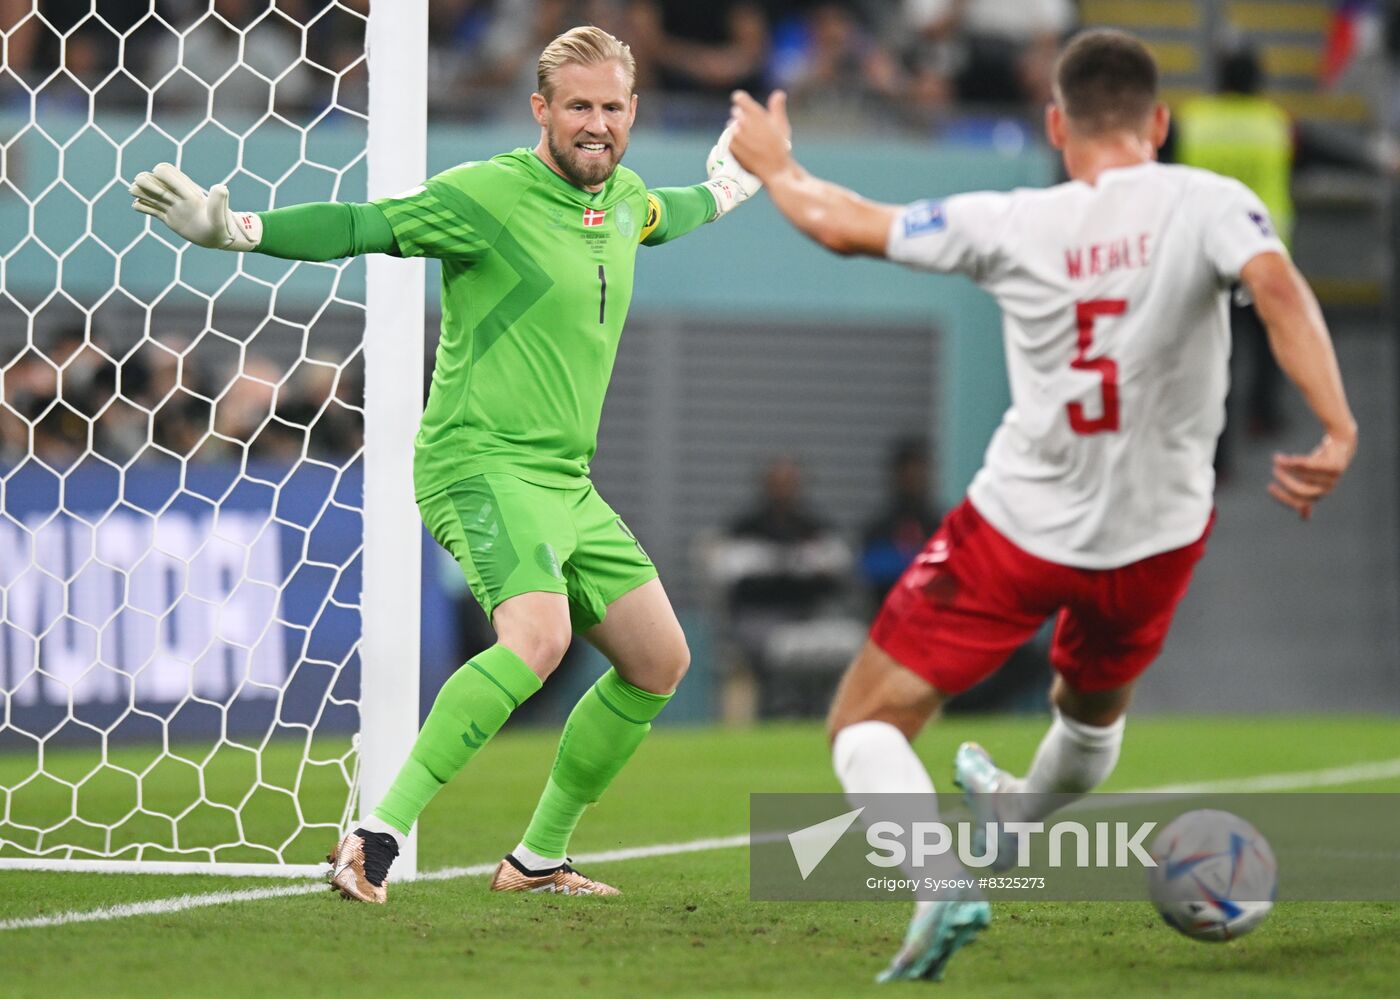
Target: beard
x,y
582,171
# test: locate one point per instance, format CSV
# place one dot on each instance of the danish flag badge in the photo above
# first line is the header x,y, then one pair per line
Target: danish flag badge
x,y
593,217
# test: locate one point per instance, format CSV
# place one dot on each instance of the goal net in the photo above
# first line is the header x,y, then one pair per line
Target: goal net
x,y
208,553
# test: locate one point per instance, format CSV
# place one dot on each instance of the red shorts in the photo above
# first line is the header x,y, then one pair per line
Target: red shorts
x,y
972,597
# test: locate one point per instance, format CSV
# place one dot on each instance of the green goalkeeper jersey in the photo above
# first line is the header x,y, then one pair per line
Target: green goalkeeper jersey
x,y
536,281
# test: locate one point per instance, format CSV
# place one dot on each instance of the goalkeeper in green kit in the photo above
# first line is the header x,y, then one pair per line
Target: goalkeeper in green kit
x,y
538,249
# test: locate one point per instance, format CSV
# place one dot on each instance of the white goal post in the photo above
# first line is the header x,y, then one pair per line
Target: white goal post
x,y
394,343
209,547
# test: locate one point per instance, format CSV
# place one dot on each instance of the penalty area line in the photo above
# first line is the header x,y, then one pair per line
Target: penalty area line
x,y
1297,780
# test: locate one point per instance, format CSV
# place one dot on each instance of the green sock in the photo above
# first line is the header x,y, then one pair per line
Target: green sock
x,y
470,708
603,731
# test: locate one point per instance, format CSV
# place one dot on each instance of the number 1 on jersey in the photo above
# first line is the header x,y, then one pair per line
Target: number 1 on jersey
x,y
602,295
1085,314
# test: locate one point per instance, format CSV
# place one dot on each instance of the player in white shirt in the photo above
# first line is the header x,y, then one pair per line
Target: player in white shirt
x,y
1096,496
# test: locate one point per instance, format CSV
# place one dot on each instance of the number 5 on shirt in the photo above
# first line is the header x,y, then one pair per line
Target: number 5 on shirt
x,y
1085,315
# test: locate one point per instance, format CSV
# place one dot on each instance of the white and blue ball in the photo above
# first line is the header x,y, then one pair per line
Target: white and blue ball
x,y
1216,877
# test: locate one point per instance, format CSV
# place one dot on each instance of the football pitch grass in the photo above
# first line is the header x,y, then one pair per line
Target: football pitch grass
x,y
685,924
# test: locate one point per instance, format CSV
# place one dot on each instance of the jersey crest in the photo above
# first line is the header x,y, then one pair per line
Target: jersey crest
x,y
622,218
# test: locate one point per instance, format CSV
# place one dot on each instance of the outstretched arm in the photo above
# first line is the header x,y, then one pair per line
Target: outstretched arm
x,y
320,231
675,211
833,216
1299,340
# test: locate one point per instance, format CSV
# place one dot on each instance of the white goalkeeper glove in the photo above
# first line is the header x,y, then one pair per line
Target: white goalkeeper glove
x,y
204,219
730,183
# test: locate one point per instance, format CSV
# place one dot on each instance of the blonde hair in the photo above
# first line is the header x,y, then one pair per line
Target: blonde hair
x,y
585,46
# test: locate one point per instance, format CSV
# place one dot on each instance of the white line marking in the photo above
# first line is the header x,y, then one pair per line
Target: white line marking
x,y
1330,777
606,856
158,906
181,903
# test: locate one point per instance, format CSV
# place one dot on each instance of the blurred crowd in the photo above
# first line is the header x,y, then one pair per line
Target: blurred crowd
x,y
78,397
896,61
876,61
793,596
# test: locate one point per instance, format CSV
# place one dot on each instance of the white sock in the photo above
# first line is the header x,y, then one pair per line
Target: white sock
x,y
873,757
375,824
1073,759
532,861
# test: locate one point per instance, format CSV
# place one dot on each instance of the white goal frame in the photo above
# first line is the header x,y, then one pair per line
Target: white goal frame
x,y
396,38
397,42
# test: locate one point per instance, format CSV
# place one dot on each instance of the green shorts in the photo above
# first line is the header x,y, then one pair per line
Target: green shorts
x,y
512,537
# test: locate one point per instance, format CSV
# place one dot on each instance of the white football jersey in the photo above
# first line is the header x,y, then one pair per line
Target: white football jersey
x,y
1115,305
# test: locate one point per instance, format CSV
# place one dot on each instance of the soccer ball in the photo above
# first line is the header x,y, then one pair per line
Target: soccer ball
x,y
1215,878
